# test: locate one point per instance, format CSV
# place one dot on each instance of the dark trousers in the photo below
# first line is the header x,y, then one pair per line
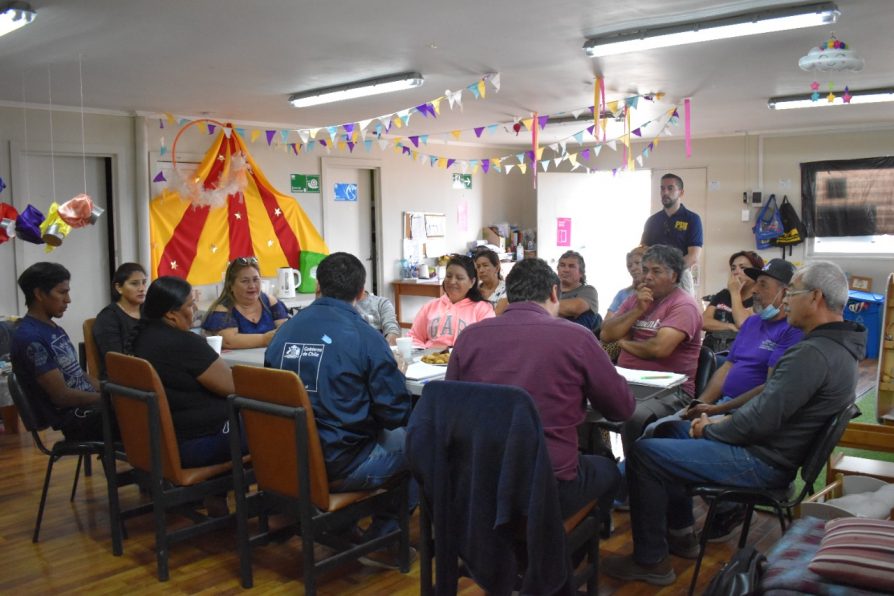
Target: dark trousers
x,y
597,479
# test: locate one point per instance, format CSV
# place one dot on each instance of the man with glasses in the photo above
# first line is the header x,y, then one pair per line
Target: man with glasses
x,y
658,328
676,226
763,443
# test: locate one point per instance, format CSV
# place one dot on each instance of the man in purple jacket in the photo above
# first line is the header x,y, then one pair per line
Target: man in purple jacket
x,y
560,364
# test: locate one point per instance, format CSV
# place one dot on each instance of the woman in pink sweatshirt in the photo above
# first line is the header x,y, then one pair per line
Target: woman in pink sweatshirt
x,y
441,320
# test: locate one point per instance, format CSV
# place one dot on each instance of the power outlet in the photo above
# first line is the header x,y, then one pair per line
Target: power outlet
x,y
746,215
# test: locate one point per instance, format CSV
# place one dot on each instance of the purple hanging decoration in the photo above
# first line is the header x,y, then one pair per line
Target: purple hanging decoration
x,y
585,154
478,130
270,134
211,128
450,162
541,121
485,165
28,225
160,177
414,140
638,132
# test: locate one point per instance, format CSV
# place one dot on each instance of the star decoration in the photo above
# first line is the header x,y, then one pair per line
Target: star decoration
x,y
213,248
237,215
221,158
173,264
831,97
815,86
270,243
814,96
277,212
847,95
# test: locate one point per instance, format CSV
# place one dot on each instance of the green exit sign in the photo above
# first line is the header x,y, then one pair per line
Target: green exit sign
x,y
305,183
462,181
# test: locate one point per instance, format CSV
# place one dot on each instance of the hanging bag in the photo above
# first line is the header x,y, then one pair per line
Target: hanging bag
x,y
769,224
795,231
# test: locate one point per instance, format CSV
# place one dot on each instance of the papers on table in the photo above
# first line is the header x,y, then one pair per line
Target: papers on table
x,y
652,378
420,370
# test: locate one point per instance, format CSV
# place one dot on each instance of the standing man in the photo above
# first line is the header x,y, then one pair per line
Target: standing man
x,y
578,301
45,361
676,226
360,401
658,328
561,365
761,445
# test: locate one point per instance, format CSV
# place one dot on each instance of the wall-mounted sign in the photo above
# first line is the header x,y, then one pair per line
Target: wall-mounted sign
x,y
345,191
563,231
305,183
462,181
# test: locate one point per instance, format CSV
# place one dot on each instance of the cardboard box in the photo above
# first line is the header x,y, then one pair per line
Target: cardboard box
x,y
492,237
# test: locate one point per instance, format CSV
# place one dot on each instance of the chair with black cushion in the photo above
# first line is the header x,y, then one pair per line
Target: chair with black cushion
x,y
779,499
707,366
34,423
288,465
135,393
489,496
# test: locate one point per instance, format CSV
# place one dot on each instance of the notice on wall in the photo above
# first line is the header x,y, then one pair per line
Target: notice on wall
x,y
462,216
563,231
345,191
305,183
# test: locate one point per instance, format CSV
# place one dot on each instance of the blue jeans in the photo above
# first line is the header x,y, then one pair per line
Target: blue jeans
x,y
386,459
210,449
660,469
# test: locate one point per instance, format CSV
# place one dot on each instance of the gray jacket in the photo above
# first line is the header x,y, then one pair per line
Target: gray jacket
x,y
814,380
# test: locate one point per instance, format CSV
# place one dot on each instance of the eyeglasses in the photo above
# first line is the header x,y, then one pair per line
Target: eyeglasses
x,y
790,291
246,260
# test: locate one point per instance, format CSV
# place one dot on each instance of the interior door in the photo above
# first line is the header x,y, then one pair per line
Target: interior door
x,y
85,251
348,216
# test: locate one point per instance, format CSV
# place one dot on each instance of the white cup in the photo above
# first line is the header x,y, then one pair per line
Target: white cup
x,y
405,347
216,342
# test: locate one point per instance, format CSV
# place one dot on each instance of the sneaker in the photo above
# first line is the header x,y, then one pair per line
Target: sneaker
x,y
386,558
625,568
685,546
725,524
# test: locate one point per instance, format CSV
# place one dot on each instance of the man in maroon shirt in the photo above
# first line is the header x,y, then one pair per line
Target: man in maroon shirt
x,y
561,365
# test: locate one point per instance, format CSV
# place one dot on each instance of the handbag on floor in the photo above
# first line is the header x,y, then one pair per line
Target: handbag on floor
x,y
741,576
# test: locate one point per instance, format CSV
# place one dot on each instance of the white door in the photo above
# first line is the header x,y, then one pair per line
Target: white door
x,y
606,216
348,214
695,198
85,251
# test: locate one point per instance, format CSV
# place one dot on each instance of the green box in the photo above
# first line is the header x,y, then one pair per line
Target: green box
x,y
306,183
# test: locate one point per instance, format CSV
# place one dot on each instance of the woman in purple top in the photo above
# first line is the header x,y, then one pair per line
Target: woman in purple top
x,y
244,316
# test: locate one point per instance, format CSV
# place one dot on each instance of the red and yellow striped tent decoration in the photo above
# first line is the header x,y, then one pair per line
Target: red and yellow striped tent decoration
x,y
196,242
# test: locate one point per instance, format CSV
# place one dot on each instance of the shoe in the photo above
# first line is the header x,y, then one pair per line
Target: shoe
x,y
685,546
625,568
386,558
725,524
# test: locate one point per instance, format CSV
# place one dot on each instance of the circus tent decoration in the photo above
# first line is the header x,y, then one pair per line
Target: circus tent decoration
x,y
195,234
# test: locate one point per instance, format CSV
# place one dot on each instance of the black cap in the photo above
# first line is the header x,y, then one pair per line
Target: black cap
x,y
779,269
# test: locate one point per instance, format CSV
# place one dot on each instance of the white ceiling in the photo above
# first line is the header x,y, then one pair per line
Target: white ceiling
x,y
239,60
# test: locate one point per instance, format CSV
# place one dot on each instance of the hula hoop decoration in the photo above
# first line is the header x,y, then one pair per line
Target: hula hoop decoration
x,y
232,181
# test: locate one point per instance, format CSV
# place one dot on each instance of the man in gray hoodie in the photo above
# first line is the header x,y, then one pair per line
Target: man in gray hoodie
x,y
762,444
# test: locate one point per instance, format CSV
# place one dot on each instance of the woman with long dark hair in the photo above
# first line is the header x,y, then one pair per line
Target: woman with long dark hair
x,y
117,321
490,278
243,315
441,320
196,379
730,306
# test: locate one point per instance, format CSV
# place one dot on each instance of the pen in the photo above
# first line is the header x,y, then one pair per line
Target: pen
x,y
657,377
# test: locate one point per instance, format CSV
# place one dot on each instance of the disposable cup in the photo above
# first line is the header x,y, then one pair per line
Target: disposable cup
x,y
216,342
405,347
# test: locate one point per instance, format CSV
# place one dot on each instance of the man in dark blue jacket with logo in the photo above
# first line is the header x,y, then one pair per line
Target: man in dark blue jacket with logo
x,y
358,392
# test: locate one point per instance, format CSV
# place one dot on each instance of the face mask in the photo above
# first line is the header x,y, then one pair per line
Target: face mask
x,y
767,312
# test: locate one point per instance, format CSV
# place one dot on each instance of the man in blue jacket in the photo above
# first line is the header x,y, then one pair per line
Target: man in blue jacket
x,y
358,392
762,444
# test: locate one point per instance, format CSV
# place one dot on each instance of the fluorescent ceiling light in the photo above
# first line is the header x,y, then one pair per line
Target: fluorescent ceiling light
x,y
14,15
738,25
359,89
790,102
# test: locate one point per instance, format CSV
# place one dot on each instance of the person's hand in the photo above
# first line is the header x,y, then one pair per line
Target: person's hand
x,y
268,337
697,428
734,284
697,409
644,297
391,339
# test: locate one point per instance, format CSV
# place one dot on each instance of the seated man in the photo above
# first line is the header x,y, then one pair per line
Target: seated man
x,y
359,395
762,444
578,302
379,312
658,328
560,364
46,363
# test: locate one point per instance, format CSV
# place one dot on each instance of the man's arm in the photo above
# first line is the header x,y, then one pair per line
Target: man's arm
x,y
620,324
661,346
391,403
63,396
691,256
571,308
607,390
713,390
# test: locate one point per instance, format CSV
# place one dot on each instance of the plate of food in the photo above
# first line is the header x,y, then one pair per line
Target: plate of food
x,y
436,359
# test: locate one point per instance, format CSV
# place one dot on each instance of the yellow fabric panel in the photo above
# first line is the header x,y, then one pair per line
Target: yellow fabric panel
x,y
165,211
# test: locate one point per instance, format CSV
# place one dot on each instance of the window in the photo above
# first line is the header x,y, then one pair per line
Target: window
x,y
848,205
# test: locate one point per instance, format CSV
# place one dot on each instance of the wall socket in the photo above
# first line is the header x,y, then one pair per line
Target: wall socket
x,y
746,215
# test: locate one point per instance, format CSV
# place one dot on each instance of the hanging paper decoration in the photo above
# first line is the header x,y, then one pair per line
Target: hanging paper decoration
x,y
833,55
80,211
196,241
28,225
53,230
8,215
2,185
687,112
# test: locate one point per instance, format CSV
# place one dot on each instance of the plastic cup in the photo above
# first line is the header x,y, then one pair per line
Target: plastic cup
x,y
405,347
216,342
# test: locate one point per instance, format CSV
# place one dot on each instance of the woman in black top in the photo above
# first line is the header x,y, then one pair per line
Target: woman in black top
x,y
117,321
730,307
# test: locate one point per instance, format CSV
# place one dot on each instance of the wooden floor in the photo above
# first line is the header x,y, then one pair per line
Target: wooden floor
x,y
74,553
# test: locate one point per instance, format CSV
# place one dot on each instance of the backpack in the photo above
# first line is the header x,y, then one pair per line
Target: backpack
x,y
769,224
795,230
741,576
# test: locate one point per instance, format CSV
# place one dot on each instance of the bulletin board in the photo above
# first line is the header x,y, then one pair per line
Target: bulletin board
x,y
424,235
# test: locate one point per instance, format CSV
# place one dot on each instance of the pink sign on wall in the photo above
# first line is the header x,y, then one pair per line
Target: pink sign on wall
x,y
563,231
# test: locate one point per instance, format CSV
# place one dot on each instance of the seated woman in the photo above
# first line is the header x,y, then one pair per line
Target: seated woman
x,y
244,316
196,380
116,322
635,269
490,278
379,312
730,307
440,321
